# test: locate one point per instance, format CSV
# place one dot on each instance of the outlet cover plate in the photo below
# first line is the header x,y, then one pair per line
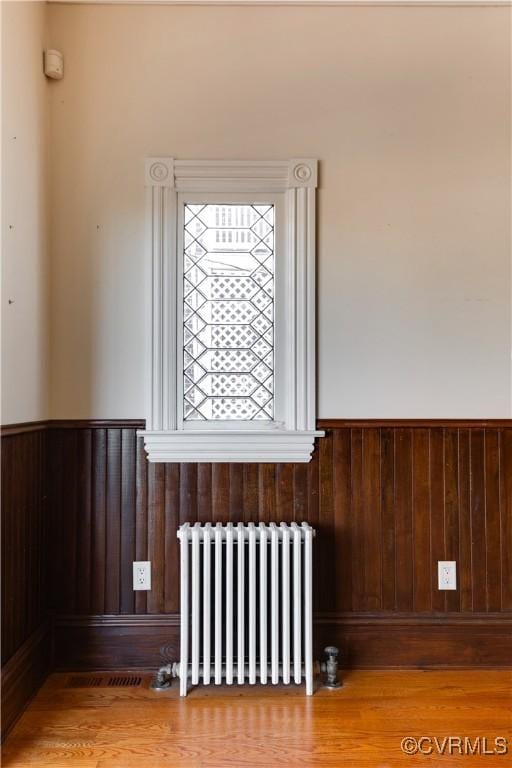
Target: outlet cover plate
x,y
142,575
447,574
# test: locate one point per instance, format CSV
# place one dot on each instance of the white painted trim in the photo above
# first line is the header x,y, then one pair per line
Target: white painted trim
x,y
232,447
230,175
290,186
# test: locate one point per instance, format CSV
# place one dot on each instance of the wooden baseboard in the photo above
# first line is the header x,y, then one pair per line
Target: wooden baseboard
x,y
366,640
115,642
23,674
418,641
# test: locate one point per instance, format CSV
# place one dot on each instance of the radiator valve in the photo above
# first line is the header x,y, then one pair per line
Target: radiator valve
x,y
163,678
330,667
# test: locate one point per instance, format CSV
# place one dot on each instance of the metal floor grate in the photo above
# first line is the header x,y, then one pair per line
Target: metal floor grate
x,y
112,681
125,681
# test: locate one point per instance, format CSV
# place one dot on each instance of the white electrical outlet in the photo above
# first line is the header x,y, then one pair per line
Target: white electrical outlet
x,y
142,574
447,574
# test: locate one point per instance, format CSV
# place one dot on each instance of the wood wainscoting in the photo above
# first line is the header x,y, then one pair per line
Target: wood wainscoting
x,y
25,648
388,500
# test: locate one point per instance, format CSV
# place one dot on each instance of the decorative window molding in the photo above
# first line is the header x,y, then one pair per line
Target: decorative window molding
x,y
202,405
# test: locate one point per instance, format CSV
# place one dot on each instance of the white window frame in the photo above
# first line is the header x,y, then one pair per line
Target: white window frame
x,y
291,187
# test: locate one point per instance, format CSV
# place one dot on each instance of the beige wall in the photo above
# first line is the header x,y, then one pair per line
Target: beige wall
x,y
25,268
408,110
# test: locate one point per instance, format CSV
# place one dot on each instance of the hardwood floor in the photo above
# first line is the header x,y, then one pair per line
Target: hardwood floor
x,y
361,724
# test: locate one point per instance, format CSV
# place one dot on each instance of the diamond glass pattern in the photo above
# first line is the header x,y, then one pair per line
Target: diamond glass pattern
x,y
228,288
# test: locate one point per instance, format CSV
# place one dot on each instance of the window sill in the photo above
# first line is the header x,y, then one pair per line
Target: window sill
x,y
235,446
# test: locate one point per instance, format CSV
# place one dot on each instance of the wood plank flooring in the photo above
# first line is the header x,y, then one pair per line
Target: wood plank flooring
x,y
360,725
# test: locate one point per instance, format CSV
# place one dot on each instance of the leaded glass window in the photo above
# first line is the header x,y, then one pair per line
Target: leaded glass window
x,y
228,312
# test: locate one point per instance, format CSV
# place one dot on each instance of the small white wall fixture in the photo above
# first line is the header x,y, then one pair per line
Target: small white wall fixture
x,y
175,187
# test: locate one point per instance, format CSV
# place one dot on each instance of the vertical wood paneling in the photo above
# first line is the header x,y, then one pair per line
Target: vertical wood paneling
x,y
236,492
113,524
313,480
68,523
99,495
356,507
250,492
300,492
56,527
387,475
188,492
422,563
156,537
437,513
387,502
128,491
171,550
21,543
342,520
506,519
492,520
477,512
465,571
204,492
325,566
372,524
452,510
19,568
220,493
404,553
26,655
8,579
84,523
24,550
266,492
141,505
284,492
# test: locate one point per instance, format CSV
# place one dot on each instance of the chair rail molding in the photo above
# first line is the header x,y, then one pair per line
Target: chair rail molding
x,y
290,187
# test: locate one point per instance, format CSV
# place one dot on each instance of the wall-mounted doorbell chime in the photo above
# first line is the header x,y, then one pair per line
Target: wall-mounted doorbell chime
x,y
53,64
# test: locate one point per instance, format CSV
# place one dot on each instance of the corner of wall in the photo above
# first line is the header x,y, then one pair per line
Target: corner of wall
x,y
25,233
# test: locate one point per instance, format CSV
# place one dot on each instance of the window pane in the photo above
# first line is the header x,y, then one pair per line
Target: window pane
x,y
228,312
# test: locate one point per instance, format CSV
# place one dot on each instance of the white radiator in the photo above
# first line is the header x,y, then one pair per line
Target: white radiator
x,y
246,604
